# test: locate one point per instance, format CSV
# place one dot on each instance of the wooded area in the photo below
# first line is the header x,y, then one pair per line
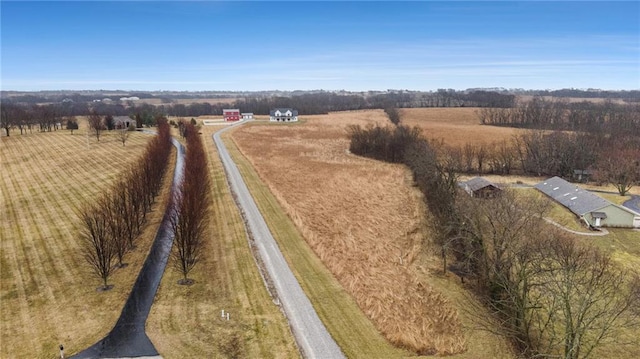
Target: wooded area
x,y
550,294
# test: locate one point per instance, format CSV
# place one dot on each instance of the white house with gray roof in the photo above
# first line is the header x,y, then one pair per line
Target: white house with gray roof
x,y
283,115
594,210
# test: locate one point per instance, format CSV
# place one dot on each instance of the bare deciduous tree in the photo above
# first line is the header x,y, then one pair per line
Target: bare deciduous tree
x,y
95,124
114,206
190,207
588,296
550,295
123,135
621,168
97,243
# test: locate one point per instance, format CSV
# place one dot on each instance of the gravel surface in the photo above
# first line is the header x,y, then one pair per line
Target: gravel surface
x,y
311,335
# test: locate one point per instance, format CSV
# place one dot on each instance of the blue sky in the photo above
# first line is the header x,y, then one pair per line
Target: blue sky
x,y
319,45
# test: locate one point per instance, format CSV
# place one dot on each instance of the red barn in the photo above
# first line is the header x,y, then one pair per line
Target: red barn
x,y
231,114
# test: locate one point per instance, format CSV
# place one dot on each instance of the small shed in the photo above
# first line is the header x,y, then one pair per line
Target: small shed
x,y
247,115
594,210
479,187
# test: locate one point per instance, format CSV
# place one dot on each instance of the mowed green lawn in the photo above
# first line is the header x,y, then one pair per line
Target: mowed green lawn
x,y
47,290
48,294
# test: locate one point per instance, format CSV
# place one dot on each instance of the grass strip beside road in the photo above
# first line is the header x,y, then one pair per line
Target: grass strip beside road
x,y
185,321
353,332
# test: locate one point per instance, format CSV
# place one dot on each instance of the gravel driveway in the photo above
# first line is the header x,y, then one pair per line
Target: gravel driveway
x,y
312,337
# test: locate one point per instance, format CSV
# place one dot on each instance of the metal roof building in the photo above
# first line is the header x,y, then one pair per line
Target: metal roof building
x,y
593,209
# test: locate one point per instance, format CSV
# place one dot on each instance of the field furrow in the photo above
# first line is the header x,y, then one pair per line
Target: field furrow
x,y
47,289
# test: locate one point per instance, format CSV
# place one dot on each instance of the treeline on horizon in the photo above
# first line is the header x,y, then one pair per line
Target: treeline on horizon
x,y
496,108
167,97
307,103
541,113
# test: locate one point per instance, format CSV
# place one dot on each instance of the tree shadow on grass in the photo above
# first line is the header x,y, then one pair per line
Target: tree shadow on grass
x,y
186,281
104,288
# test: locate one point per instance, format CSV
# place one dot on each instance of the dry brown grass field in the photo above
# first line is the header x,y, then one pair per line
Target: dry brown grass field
x,y
47,292
185,321
364,220
455,126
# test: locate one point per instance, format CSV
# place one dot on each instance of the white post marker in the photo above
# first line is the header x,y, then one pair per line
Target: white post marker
x,y
227,315
222,314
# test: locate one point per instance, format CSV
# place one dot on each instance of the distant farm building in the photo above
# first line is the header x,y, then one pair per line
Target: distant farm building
x,y
481,188
231,114
283,115
594,210
121,122
247,116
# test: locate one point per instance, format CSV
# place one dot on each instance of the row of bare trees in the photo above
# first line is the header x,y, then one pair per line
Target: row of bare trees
x,y
111,224
190,206
45,118
542,153
557,114
550,295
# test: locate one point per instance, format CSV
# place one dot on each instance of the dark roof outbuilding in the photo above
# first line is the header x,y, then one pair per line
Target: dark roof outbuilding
x,y
283,110
477,183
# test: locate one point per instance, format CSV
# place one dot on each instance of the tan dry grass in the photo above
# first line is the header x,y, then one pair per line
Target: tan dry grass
x,y
47,291
455,126
347,324
185,322
362,218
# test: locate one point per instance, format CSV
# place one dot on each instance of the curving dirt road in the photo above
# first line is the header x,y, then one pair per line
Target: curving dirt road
x,y
128,338
311,335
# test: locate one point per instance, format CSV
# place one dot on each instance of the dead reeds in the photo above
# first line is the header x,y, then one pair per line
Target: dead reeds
x,y
363,219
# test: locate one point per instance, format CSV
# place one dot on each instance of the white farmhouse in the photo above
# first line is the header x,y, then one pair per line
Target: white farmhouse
x,y
283,115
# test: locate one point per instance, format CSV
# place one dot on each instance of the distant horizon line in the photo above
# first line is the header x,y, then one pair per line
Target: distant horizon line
x,y
496,88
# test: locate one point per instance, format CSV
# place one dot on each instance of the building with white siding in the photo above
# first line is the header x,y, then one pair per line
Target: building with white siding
x,y
590,208
283,115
